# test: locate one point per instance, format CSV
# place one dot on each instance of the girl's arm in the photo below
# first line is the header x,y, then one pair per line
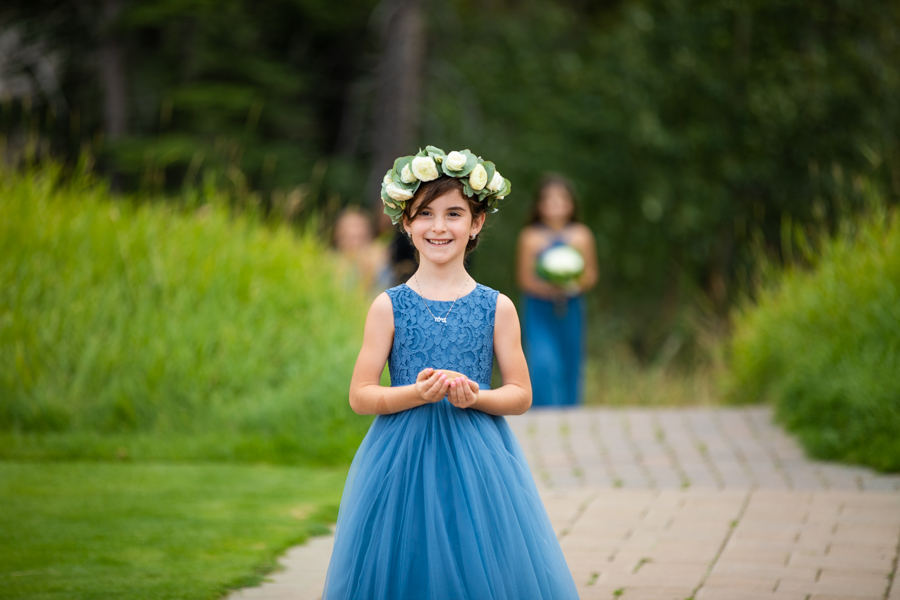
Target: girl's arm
x,y
514,397
367,395
528,248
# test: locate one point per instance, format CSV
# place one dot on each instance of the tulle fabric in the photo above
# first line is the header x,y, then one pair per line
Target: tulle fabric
x,y
440,503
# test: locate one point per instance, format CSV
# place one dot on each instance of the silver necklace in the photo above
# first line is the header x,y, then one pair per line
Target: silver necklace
x,y
444,318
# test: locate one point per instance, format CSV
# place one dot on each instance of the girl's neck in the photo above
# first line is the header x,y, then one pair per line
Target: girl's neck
x,y
556,225
441,282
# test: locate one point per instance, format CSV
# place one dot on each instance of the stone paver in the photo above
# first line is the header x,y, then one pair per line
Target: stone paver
x,y
703,503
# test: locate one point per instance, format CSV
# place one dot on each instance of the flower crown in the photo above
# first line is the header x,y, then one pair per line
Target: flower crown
x,y
479,178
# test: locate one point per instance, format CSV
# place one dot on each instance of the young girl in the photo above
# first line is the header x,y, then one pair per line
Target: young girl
x,y
554,320
440,503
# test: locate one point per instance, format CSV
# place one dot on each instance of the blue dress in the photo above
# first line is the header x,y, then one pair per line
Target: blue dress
x,y
440,503
554,337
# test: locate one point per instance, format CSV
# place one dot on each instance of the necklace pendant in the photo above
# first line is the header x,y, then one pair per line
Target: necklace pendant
x,y
440,319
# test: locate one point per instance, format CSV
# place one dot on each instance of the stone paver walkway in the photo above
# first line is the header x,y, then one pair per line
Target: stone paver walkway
x,y
703,503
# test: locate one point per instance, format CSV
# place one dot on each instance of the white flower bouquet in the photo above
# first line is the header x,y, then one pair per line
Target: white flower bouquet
x,y
562,266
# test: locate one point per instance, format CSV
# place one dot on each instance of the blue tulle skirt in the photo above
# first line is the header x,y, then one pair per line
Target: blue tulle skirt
x,y
440,504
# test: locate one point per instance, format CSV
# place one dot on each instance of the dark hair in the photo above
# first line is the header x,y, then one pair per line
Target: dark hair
x,y
430,190
551,179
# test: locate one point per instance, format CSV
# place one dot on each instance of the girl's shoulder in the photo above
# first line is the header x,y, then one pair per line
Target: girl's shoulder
x,y
532,230
382,304
487,298
397,296
484,288
401,295
580,230
397,289
480,288
532,237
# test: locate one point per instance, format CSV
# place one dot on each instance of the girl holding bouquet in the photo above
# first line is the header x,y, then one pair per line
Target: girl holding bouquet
x,y
440,503
556,263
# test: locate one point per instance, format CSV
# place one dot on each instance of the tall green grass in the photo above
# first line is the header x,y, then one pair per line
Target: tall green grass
x,y
146,330
823,343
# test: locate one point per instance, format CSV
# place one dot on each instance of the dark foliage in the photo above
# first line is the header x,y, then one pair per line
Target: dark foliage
x,y
689,126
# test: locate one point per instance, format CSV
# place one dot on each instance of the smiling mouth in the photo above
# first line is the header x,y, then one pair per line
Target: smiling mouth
x,y
438,242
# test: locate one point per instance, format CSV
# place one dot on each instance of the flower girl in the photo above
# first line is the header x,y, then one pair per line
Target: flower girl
x,y
440,502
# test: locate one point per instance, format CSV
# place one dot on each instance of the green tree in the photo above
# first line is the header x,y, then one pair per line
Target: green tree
x,y
687,124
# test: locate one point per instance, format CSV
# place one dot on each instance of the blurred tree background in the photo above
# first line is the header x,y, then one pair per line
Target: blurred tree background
x,y
693,129
738,162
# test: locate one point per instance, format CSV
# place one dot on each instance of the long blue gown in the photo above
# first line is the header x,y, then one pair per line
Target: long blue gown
x,y
440,503
553,335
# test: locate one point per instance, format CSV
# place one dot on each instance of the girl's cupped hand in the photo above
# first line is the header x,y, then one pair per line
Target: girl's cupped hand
x,y
463,392
433,384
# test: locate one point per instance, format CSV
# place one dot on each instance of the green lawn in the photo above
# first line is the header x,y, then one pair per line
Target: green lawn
x,y
105,530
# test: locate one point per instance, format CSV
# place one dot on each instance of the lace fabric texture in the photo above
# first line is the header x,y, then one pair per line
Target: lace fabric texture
x,y
440,503
465,343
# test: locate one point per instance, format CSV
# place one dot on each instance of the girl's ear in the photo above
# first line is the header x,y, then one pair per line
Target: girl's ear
x,y
477,224
404,226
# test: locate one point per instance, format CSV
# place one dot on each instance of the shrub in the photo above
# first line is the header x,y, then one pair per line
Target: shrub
x,y
823,343
146,330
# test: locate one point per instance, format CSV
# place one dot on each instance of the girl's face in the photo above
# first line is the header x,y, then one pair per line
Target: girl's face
x,y
352,233
556,204
441,230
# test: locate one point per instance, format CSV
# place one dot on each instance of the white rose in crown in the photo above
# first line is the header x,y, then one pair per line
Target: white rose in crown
x,y
478,178
398,193
424,168
561,265
496,183
406,175
455,161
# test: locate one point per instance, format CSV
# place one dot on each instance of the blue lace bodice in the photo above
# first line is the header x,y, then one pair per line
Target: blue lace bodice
x,y
465,343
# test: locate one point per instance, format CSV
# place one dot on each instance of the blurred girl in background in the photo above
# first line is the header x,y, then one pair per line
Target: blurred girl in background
x,y
556,263
361,252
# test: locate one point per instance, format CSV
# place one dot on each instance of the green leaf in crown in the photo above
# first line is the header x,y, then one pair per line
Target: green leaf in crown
x,y
402,174
436,154
490,168
480,178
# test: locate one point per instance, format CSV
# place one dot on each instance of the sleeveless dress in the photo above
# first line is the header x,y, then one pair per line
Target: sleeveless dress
x,y
553,336
440,503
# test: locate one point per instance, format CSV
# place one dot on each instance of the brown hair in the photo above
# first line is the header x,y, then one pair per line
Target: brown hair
x,y
430,190
548,180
